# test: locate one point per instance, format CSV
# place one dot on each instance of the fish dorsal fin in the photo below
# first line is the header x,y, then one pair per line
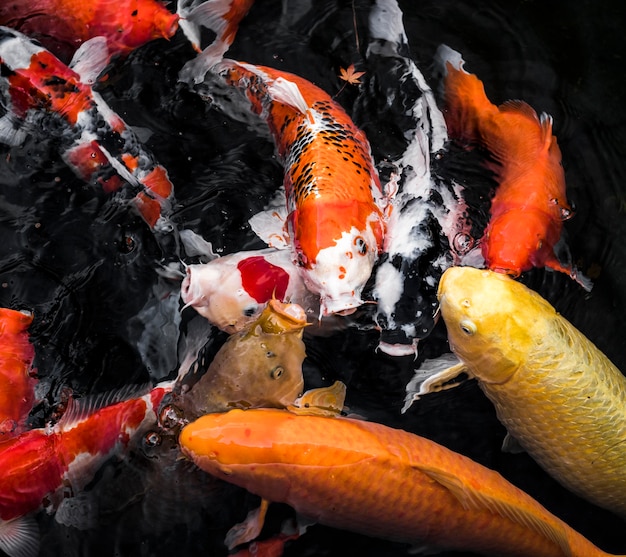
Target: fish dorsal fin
x,y
472,499
80,409
519,107
20,537
90,59
287,92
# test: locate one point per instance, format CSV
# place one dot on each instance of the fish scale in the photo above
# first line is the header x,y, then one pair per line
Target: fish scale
x,y
556,393
383,482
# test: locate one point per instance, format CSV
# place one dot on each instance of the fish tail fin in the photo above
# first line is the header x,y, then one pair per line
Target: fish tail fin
x,y
465,99
220,16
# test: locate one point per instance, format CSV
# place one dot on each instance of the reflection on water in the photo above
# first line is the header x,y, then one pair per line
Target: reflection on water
x,y
86,265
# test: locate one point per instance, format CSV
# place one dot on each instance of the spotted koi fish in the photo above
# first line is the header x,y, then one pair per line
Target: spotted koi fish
x,y
42,466
38,91
334,219
17,394
426,229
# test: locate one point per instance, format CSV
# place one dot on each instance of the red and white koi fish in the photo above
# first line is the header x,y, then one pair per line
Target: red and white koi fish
x,y
39,466
334,202
36,87
63,25
231,291
530,203
383,482
17,385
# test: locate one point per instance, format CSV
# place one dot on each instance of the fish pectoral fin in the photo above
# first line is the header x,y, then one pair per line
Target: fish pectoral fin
x,y
20,537
12,132
269,225
511,445
438,374
90,59
287,92
249,529
473,499
325,401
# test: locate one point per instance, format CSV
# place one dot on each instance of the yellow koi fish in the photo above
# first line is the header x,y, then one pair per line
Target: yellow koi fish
x,y
558,396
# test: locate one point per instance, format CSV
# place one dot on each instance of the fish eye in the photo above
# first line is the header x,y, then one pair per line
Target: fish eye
x,y
468,327
152,439
250,311
277,372
360,244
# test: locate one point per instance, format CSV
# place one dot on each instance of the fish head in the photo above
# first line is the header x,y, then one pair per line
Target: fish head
x,y
254,368
216,292
339,272
243,447
517,241
492,320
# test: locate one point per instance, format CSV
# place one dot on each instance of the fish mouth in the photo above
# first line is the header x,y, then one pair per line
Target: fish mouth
x,y
343,305
398,349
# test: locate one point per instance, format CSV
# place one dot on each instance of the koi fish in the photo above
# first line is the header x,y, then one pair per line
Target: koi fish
x,y
530,203
426,230
39,466
38,91
558,396
62,25
17,394
258,366
231,291
334,218
379,481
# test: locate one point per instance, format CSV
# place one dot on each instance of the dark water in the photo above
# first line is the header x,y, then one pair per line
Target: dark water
x,y
87,266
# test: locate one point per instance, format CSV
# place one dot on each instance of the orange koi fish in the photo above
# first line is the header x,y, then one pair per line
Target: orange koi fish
x,y
16,382
530,203
36,89
63,25
40,466
379,481
334,219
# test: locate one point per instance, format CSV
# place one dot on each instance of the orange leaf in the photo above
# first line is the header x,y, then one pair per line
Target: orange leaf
x,y
349,75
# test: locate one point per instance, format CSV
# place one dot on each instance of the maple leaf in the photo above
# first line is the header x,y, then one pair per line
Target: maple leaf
x,y
349,75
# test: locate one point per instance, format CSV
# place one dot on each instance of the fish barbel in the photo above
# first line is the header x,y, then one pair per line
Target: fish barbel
x,y
556,393
383,482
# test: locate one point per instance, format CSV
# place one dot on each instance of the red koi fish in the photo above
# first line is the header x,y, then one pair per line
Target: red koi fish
x,y
63,25
379,481
530,203
334,202
17,385
39,466
230,291
36,87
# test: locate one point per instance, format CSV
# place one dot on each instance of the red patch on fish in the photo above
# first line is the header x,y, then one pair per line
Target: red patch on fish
x,y
262,280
